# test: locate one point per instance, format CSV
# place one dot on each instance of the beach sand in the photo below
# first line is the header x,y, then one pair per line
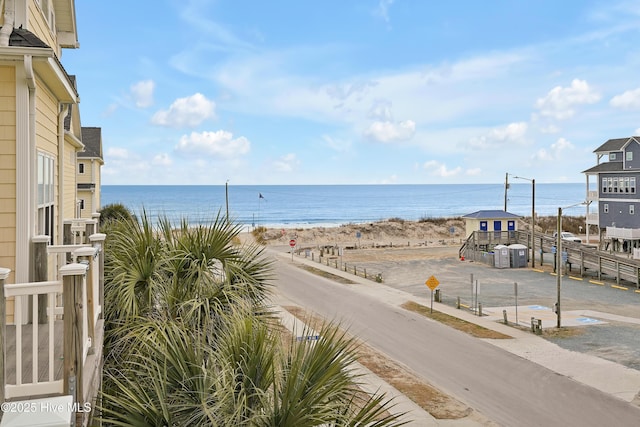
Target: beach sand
x,y
392,232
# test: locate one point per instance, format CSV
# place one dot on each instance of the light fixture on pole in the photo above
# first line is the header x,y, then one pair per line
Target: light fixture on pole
x,y
533,218
559,258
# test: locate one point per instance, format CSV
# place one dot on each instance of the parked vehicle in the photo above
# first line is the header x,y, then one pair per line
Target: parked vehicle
x,y
568,237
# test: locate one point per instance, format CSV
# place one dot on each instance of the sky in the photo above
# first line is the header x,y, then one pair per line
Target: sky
x,y
355,92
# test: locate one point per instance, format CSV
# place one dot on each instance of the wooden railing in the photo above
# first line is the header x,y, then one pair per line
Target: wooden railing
x,y
61,331
581,257
21,293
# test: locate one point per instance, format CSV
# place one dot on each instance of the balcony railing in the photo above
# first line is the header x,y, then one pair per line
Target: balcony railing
x,y
53,341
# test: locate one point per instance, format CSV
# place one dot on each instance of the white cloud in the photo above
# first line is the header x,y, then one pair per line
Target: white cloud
x,y
555,150
219,143
391,131
637,132
382,10
381,110
286,163
162,159
629,99
438,169
511,133
339,145
186,112
559,103
142,93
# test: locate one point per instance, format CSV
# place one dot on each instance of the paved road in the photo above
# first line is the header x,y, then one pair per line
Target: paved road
x,y
507,389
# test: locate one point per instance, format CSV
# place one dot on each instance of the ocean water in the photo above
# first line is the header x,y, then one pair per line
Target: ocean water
x,y
290,206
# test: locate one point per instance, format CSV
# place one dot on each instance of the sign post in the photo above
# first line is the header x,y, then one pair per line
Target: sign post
x,y
292,243
432,283
515,289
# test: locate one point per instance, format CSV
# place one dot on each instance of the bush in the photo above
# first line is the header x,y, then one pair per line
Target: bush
x,y
115,212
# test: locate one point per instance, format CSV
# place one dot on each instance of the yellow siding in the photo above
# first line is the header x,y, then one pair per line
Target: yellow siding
x,y
47,141
85,178
37,24
98,196
7,167
70,186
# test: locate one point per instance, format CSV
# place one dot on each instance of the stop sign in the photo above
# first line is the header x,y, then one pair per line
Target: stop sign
x,y
292,243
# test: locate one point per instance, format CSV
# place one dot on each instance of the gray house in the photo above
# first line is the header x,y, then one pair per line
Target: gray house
x,y
617,174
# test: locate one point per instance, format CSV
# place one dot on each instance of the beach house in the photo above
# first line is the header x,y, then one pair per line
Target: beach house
x,y
50,259
89,163
615,199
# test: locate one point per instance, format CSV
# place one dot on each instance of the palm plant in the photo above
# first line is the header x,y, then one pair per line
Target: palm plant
x,y
190,340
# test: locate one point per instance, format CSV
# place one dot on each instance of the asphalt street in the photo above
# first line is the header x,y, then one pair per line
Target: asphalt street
x,y
507,389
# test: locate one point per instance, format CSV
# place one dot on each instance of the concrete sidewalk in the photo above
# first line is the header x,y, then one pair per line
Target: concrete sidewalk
x,y
603,375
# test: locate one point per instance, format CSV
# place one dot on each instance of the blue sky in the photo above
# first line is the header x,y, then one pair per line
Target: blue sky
x,y
355,92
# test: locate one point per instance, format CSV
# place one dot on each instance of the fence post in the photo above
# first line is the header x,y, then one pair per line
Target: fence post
x,y
86,256
96,216
41,273
72,277
97,240
4,275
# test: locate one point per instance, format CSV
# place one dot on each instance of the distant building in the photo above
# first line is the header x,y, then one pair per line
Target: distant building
x,y
490,221
616,196
89,164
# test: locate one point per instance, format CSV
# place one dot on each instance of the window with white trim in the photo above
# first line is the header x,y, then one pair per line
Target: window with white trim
x,y
612,156
605,208
45,195
629,156
619,185
81,168
632,209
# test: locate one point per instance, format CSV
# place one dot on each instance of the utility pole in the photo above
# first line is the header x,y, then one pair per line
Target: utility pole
x,y
506,187
226,195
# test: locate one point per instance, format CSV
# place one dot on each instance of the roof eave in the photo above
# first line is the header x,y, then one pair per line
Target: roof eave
x,y
75,142
56,78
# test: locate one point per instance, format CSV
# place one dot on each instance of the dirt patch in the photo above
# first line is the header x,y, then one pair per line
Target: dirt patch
x,y
459,324
326,274
438,404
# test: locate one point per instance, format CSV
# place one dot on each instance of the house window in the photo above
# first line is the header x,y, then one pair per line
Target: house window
x,y
615,185
604,185
629,156
612,156
80,168
45,195
610,184
605,208
632,209
624,184
632,185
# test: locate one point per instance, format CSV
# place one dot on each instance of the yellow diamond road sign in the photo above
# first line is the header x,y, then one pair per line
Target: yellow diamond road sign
x,y
432,282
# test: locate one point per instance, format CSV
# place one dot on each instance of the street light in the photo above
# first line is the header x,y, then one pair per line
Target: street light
x,y
559,256
533,218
